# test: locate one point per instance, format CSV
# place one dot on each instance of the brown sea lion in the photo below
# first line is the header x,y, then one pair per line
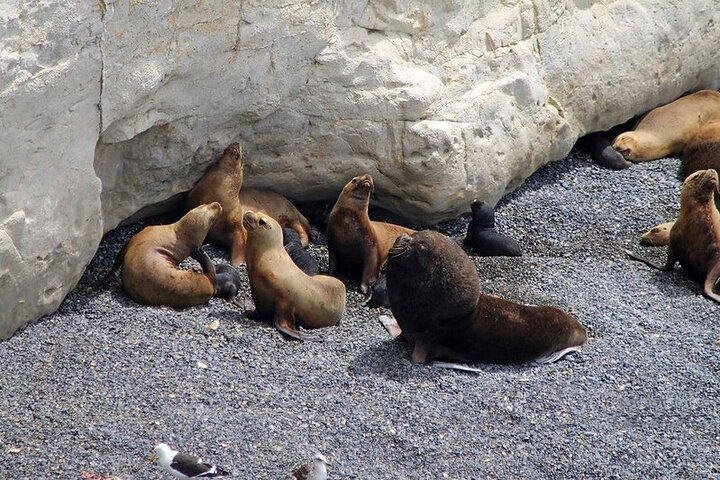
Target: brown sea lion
x,y
150,272
658,236
279,208
356,243
435,297
281,291
695,236
665,130
703,150
221,183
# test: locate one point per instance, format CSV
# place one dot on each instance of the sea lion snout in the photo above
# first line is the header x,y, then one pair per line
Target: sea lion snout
x,y
362,182
253,220
624,144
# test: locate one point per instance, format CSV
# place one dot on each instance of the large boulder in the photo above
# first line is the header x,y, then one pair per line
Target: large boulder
x,y
442,102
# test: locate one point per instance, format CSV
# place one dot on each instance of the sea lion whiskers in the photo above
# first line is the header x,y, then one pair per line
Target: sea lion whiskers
x,y
401,245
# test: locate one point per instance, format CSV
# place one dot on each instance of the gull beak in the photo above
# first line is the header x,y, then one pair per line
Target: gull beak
x,y
152,458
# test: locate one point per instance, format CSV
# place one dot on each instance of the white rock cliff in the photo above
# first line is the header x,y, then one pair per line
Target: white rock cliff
x,y
111,106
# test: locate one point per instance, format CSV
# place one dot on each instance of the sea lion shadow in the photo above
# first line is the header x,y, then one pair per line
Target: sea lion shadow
x,y
390,359
675,284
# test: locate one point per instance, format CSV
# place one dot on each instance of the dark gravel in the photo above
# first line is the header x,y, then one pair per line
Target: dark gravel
x,y
96,385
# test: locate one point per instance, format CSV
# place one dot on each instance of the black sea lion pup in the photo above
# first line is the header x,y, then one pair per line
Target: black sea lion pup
x,y
281,291
435,296
482,237
378,294
301,257
600,148
356,243
150,272
227,283
695,236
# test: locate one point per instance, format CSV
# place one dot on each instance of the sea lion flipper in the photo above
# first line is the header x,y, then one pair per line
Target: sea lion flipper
x,y
424,348
119,258
711,281
553,357
370,270
208,267
390,324
285,323
669,264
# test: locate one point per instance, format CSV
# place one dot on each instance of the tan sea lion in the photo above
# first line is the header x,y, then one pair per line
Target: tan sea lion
x,y
281,291
354,241
665,130
435,297
695,236
150,260
658,236
222,182
703,150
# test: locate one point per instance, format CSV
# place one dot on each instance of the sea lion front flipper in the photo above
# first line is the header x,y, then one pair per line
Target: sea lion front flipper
x,y
424,347
370,270
284,321
237,249
208,267
669,264
390,324
710,281
457,366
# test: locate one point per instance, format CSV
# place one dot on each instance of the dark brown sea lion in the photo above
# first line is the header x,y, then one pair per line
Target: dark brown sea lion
x,y
356,243
150,272
483,239
281,291
695,236
665,130
435,297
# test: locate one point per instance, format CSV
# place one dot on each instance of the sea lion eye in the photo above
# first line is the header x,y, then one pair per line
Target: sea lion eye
x,y
262,222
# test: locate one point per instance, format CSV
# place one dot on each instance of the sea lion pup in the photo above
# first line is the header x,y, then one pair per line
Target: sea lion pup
x,y
435,296
298,254
221,183
150,272
703,150
665,130
280,290
482,237
354,241
227,283
658,236
600,149
695,237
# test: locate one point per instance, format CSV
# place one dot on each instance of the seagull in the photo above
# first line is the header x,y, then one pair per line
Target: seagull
x,y
314,470
182,465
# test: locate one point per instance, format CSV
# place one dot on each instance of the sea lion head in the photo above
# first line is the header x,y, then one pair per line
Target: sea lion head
x,y
482,213
233,158
359,188
626,144
197,222
430,276
699,188
261,227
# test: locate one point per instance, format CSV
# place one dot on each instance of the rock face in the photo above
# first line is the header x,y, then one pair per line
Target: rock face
x,y
442,102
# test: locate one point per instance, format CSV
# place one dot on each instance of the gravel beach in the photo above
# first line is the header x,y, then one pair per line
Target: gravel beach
x,y
97,384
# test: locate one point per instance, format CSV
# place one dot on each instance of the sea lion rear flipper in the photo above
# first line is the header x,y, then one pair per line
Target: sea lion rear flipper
x,y
553,357
669,264
392,327
711,281
119,259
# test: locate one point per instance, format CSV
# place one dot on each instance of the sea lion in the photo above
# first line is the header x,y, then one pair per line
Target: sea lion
x,y
298,254
150,272
281,291
658,236
435,297
665,130
702,150
600,149
354,241
227,283
695,236
482,237
221,183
